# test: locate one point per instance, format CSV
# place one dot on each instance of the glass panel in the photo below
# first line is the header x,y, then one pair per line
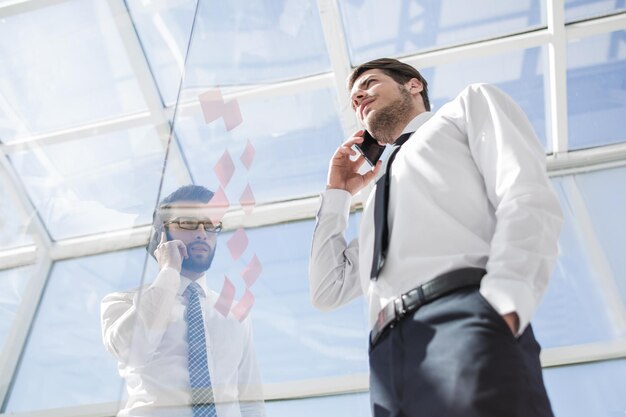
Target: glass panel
x,y
582,9
64,363
13,225
98,184
574,309
594,389
394,28
289,138
12,285
56,71
596,99
353,405
289,333
519,73
250,42
604,194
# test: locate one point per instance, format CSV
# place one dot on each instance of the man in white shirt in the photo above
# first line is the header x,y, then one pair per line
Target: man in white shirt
x,y
456,246
149,330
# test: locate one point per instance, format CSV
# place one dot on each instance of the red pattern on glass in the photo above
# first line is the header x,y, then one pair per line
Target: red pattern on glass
x,y
214,107
224,169
226,297
248,154
237,243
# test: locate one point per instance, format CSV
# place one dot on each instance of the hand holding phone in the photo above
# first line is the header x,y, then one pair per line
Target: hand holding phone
x,y
170,253
370,148
344,172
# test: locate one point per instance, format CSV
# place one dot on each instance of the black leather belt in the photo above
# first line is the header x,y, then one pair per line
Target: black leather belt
x,y
410,301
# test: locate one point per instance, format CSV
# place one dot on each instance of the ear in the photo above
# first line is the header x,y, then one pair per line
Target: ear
x,y
415,86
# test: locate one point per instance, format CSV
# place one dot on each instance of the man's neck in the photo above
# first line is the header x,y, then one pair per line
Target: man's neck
x,y
397,132
194,276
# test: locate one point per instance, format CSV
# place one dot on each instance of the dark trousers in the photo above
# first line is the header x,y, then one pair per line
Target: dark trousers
x,y
456,357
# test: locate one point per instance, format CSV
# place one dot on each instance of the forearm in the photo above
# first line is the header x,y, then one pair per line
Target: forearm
x,y
133,324
333,268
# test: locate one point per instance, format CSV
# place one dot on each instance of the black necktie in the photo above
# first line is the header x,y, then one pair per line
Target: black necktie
x,y
381,201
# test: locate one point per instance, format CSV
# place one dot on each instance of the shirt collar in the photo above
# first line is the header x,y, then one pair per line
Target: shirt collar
x,y
417,122
184,283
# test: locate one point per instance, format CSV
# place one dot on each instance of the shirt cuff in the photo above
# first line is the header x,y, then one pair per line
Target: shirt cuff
x,y
507,296
335,201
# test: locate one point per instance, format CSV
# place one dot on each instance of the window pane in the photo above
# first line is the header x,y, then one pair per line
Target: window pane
x,y
519,73
62,65
64,363
98,184
293,136
595,389
394,28
234,43
12,285
586,297
596,80
289,333
604,194
13,225
582,9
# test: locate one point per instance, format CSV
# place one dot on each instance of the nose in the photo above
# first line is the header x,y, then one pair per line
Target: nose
x,y
357,98
201,233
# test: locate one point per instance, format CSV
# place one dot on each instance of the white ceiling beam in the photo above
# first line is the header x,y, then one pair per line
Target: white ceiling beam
x,y
596,26
339,55
584,353
10,8
557,77
16,257
18,332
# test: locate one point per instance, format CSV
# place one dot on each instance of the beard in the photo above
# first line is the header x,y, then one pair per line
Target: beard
x,y
386,120
198,262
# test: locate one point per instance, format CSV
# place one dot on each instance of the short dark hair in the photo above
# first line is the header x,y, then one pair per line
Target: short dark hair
x,y
190,192
399,71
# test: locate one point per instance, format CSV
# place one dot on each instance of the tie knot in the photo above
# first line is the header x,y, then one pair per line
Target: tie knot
x,y
193,289
403,138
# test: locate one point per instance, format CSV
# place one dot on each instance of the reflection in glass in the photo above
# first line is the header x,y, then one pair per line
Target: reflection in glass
x,y
56,71
292,138
394,28
13,224
584,9
596,90
93,185
594,389
290,334
519,73
12,285
63,363
353,405
182,346
234,43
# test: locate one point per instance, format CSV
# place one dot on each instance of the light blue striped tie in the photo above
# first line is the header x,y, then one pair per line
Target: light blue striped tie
x,y
203,403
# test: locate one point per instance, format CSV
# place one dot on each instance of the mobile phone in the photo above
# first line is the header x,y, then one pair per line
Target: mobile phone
x,y
370,148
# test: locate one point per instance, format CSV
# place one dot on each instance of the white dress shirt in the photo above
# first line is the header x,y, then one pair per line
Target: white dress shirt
x,y
146,331
468,189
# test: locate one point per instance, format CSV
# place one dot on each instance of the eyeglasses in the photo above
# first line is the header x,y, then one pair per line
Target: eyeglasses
x,y
192,223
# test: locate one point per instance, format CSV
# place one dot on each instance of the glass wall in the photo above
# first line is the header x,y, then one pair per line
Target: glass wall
x,y
108,107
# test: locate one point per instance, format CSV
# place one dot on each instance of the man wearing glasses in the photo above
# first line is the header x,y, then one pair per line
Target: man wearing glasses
x,y
179,355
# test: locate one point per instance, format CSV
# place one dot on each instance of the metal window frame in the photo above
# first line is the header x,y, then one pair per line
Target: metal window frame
x,y
45,251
